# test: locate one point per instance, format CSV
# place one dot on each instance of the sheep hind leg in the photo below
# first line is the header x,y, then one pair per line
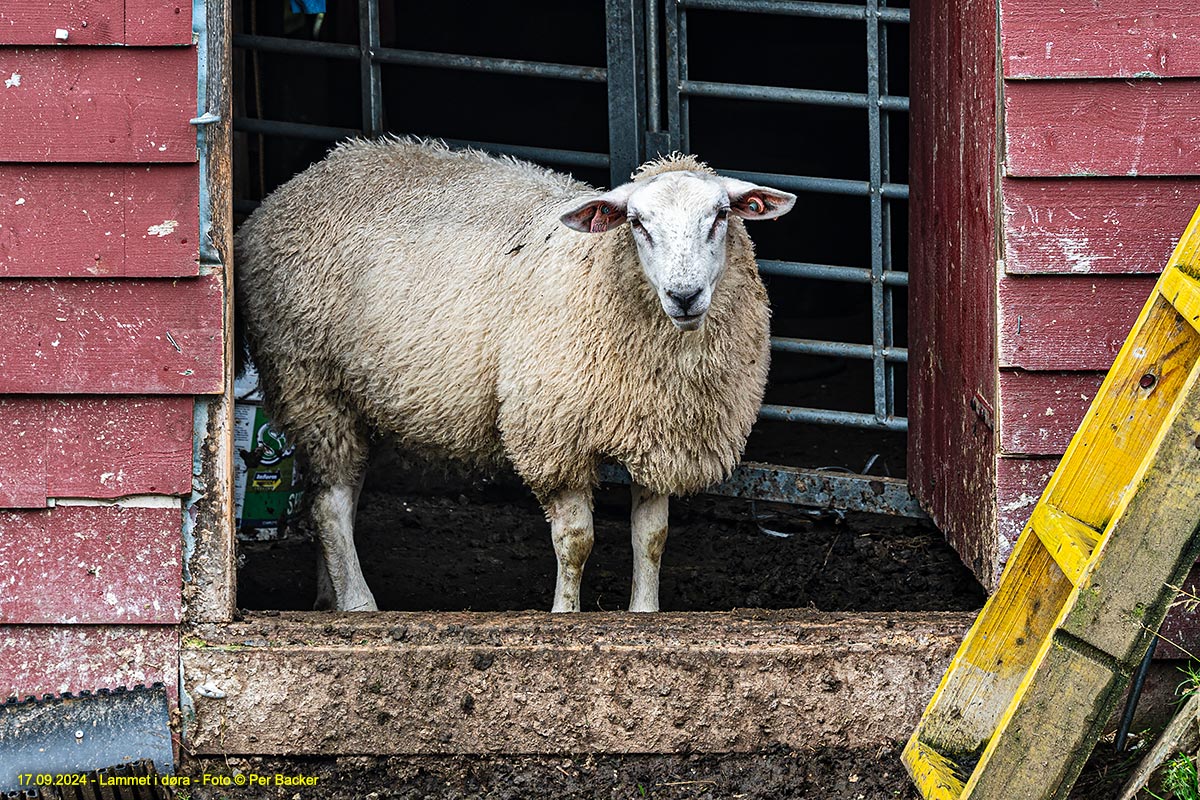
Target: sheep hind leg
x,y
326,595
570,514
649,523
333,510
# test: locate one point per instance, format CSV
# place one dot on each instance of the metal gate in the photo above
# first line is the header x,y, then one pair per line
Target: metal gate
x,y
649,94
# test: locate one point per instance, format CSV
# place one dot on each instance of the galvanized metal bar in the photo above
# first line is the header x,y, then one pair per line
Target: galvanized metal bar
x,y
653,68
685,124
875,198
672,12
793,8
549,155
304,47
626,88
783,94
820,347
813,488
293,130
800,183
824,416
494,66
828,272
885,155
371,76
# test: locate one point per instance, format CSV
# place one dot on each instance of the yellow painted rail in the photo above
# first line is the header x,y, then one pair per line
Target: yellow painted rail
x,y
1090,579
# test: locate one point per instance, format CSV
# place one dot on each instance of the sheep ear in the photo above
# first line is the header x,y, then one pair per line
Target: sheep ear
x,y
749,201
598,214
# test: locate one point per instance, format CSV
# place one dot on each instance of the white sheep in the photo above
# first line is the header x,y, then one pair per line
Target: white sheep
x,y
486,310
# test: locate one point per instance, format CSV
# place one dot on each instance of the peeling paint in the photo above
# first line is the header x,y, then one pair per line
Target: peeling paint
x,y
164,228
13,81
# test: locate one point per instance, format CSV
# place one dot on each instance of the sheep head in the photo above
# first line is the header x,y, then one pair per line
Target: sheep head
x,y
680,222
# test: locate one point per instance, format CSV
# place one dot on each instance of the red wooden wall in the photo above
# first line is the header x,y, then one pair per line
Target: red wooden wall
x,y
111,332
1032,257
1101,158
952,350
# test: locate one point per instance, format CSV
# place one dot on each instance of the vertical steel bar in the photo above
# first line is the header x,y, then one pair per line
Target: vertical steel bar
x,y
885,155
370,75
674,121
874,113
626,87
653,68
685,126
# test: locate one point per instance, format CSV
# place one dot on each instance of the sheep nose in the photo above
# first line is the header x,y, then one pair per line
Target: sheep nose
x,y
684,299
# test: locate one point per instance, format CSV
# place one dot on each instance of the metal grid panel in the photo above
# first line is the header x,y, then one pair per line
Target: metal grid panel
x,y
637,59
879,188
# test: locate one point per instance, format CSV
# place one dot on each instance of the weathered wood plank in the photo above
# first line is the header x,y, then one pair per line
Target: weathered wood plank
x,y
91,565
37,21
530,683
1055,728
1019,484
1066,322
158,22
114,447
82,104
1040,411
22,453
121,337
90,22
1095,225
1103,39
211,593
93,448
952,262
51,659
1091,128
99,220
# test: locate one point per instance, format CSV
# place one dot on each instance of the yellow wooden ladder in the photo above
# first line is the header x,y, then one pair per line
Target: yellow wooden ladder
x,y
1092,575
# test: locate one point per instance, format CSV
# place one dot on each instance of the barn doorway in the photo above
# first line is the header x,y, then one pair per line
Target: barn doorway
x,y
808,97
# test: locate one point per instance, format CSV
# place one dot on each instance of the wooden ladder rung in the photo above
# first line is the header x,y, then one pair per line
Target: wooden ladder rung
x,y
1183,293
1069,541
934,774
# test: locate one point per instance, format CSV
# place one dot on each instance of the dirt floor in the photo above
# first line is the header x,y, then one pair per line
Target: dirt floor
x,y
823,774
456,544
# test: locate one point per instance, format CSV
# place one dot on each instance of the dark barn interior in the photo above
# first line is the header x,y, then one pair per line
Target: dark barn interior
x,y
440,542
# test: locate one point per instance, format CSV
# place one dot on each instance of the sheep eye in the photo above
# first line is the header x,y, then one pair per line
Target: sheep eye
x,y
722,213
636,224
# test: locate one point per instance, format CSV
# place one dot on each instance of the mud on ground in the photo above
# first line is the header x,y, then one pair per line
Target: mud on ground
x,y
441,543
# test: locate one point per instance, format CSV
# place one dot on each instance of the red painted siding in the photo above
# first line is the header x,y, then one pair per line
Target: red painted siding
x,y
952,355
1019,485
1040,411
1093,128
1101,39
93,447
120,337
22,454
1067,323
1095,225
157,22
134,22
49,659
90,565
98,104
98,221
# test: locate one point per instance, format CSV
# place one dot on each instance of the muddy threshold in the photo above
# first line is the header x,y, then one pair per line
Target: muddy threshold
x,y
435,542
819,774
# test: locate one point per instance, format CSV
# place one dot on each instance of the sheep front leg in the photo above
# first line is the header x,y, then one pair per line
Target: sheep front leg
x,y
649,523
333,511
570,514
